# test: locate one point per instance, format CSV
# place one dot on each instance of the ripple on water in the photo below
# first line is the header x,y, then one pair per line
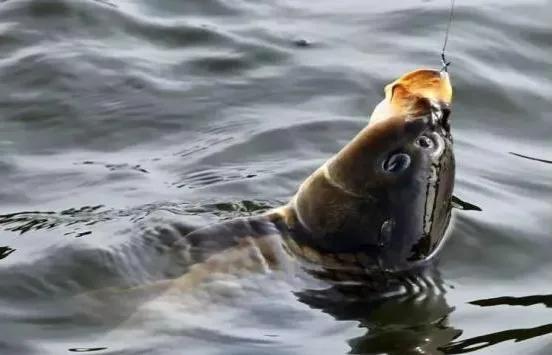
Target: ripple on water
x,y
243,99
102,67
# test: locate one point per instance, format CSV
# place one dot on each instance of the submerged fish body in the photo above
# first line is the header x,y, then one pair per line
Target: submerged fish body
x,y
380,206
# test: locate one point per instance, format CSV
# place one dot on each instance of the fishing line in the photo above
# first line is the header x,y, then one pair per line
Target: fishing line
x,y
444,61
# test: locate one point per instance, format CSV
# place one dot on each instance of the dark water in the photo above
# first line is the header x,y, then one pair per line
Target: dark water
x,y
122,121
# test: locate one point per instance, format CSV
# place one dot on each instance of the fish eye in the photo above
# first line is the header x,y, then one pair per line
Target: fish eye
x,y
396,163
424,142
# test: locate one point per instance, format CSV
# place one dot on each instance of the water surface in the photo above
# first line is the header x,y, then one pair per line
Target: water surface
x,y
123,122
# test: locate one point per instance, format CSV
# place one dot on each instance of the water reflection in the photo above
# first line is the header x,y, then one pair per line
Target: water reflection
x,y
516,334
515,301
415,322
5,251
484,341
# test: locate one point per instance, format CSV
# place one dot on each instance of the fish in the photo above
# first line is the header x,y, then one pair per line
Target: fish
x,y
381,205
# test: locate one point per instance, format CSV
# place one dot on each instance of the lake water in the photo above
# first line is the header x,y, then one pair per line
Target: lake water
x,y
123,120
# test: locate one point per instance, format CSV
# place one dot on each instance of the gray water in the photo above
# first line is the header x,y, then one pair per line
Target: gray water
x,y
123,121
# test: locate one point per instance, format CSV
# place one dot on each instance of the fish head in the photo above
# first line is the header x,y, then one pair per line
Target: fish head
x,y
402,165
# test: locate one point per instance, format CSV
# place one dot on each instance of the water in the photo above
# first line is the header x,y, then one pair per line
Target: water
x,y
122,122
